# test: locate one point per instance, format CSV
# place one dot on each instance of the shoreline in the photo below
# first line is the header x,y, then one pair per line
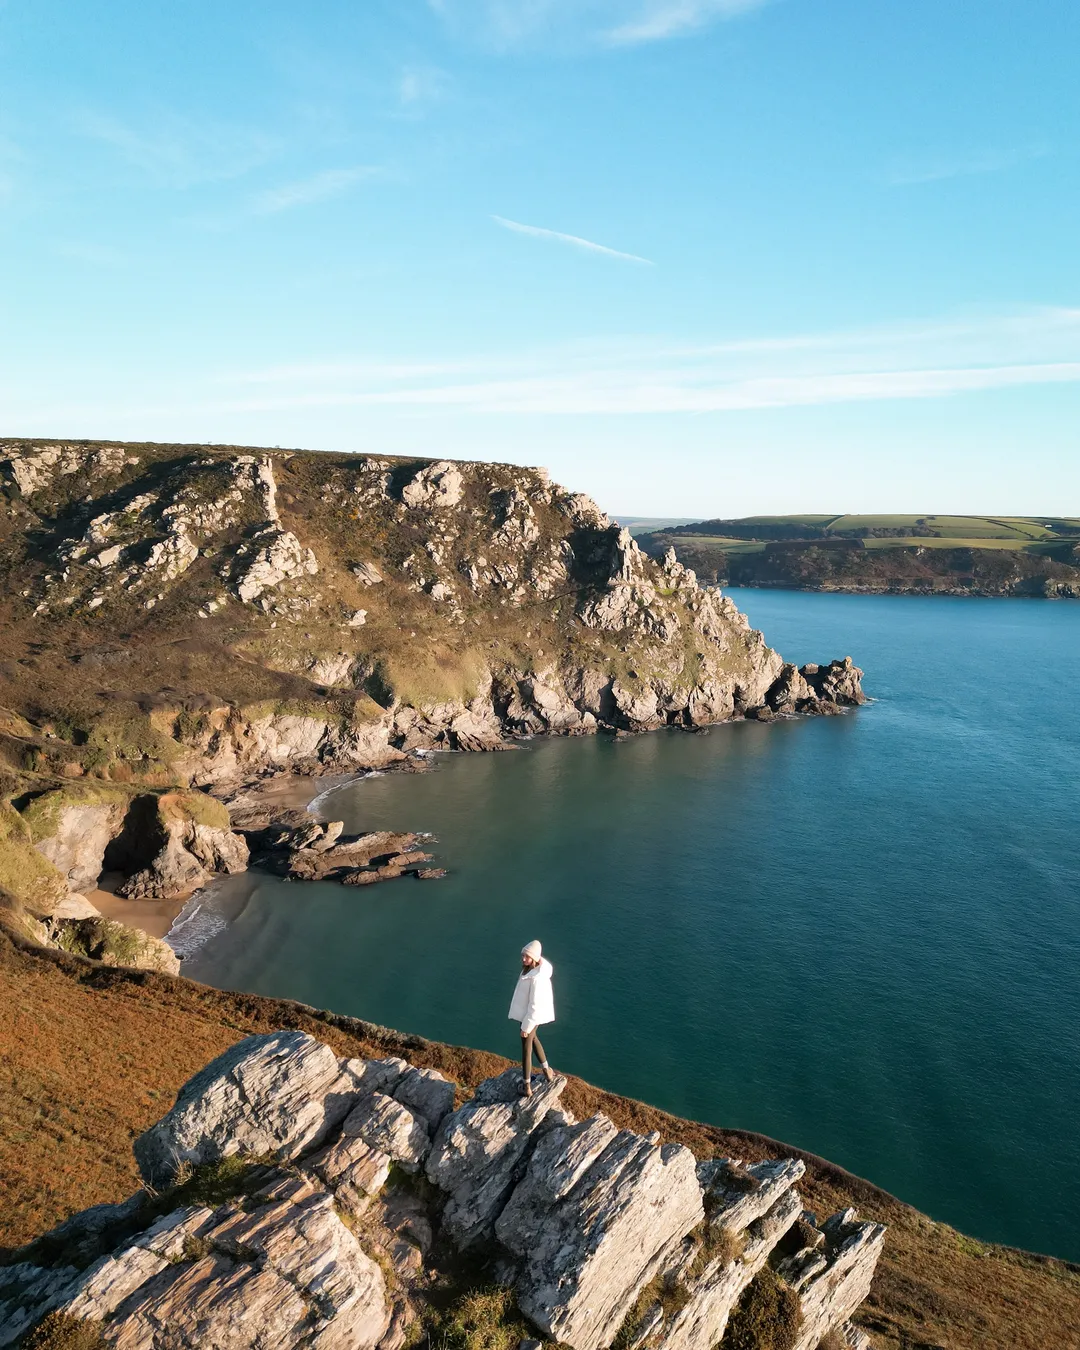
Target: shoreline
x,y
956,593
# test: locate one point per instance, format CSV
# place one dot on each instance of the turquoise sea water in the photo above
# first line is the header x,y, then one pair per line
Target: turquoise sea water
x,y
858,934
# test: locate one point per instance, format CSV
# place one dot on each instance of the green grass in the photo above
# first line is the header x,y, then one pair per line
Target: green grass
x,y
787,520
722,544
481,1319
960,531
24,872
197,806
103,940
42,815
951,541
741,546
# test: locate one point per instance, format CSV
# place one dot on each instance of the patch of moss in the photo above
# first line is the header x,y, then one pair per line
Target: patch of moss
x,y
213,1183
129,734
716,1244
24,872
767,1316
105,940
485,1318
197,806
42,813
61,1331
671,1297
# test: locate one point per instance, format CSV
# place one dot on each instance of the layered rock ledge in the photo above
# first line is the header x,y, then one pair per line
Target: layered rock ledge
x,y
342,1186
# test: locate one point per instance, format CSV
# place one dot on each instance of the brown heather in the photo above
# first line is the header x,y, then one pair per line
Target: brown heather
x,y
92,1055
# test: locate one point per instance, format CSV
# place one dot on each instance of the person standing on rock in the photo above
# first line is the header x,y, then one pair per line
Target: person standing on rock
x,y
533,1005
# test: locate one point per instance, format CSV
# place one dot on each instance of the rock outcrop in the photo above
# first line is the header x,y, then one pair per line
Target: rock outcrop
x,y
310,1241
189,839
353,610
295,845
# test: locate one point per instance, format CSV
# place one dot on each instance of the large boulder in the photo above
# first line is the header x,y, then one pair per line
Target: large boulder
x,y
480,1151
384,1124
833,1279
182,839
273,1095
839,682
598,1212
113,944
73,827
280,1272
587,1223
438,485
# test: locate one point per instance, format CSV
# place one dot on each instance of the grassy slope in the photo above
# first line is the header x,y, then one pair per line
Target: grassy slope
x,y
91,1056
1026,529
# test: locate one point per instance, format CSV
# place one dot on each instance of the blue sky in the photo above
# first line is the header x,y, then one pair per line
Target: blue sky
x,y
698,257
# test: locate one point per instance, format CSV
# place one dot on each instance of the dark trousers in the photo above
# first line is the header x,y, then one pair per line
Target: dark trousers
x,y
527,1044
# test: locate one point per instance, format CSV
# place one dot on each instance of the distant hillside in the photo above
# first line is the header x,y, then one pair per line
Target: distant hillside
x,y
908,554
638,525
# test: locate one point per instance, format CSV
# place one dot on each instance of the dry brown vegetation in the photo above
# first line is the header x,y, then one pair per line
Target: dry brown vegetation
x,y
91,1056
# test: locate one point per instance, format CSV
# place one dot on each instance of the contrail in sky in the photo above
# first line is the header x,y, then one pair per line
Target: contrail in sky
x,y
569,239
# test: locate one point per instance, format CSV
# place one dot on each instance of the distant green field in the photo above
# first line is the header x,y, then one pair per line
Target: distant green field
x,y
953,541
908,541
996,532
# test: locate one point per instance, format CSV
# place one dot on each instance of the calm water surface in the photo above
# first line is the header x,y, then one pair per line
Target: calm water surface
x,y
858,934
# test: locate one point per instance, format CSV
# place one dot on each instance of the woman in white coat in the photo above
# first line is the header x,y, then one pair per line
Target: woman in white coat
x,y
533,1005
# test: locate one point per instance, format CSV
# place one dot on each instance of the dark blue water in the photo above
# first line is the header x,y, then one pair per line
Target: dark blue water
x,y
859,934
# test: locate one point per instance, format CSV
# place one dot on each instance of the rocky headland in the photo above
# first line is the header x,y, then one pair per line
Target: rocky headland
x,y
181,620
296,1198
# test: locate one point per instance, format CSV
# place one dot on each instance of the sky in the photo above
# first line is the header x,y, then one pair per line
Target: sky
x,y
696,257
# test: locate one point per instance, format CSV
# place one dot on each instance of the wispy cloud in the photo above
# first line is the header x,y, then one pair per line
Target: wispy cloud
x,y
318,188
936,168
917,361
512,23
668,18
179,152
540,233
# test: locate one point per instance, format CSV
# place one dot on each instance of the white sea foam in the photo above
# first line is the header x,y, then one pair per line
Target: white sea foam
x,y
195,925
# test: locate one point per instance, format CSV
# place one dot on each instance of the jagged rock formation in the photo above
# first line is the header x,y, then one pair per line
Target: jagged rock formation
x,y
303,849
166,845
586,1223
291,610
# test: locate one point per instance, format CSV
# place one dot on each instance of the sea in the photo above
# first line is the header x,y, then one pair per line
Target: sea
x,y
857,934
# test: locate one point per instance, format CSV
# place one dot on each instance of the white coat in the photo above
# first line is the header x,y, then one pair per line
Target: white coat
x,y
533,1003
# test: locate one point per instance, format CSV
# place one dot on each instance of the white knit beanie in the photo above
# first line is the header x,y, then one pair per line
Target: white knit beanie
x,y
532,949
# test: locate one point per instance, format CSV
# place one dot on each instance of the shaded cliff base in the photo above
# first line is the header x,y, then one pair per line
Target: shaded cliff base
x,y
92,1056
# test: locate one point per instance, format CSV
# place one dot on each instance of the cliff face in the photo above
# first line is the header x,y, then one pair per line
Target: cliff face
x,y
195,615
346,1187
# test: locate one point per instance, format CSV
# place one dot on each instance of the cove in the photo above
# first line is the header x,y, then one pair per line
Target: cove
x,y
857,934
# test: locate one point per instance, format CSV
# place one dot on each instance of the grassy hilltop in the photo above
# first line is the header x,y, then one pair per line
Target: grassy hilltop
x,y
90,1057
991,555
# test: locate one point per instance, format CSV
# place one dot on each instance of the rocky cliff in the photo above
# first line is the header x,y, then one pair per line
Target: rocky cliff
x,y
298,1199
181,618
197,615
